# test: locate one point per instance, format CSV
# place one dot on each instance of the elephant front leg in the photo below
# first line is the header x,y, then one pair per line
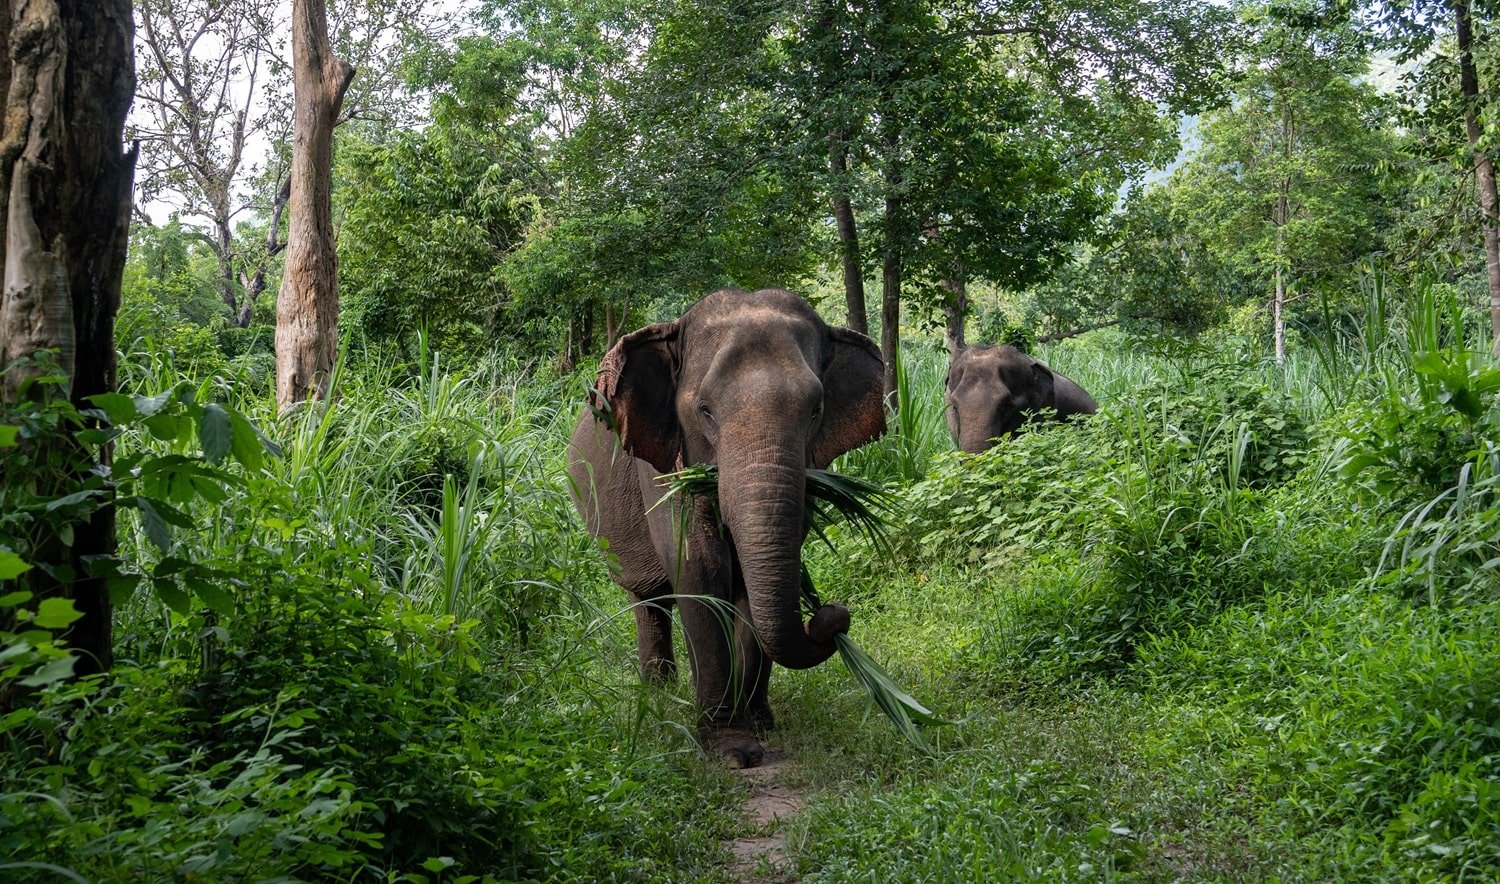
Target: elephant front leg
x,y
719,682
653,634
755,670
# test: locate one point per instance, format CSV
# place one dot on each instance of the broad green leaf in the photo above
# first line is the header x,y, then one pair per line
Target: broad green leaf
x,y
166,427
53,672
172,596
156,528
247,443
214,432
56,613
121,587
118,407
146,406
12,565
8,435
75,497
214,596
11,599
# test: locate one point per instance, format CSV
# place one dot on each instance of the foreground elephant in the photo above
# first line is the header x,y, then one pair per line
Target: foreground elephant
x,y
758,384
992,391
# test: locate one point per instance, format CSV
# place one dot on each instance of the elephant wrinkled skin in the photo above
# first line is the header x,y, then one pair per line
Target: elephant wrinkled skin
x,y
993,391
758,384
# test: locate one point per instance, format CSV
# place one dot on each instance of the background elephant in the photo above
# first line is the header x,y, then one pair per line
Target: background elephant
x,y
758,384
992,391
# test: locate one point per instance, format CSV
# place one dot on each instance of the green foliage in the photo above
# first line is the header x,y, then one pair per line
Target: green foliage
x,y
1194,552
1360,714
915,432
429,217
308,695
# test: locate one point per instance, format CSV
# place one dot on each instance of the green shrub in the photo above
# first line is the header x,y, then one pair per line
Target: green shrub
x,y
1357,712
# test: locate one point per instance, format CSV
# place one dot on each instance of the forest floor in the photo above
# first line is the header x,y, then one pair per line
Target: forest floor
x,y
759,855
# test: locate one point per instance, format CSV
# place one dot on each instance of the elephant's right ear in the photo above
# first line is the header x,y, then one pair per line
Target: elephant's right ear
x,y
635,391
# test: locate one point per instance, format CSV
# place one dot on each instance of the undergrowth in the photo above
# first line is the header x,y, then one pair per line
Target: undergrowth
x,y
1238,625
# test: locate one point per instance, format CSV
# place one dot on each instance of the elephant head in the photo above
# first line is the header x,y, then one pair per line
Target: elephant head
x,y
759,385
993,391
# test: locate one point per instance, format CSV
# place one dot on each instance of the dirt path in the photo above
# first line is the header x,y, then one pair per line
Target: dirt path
x,y
759,857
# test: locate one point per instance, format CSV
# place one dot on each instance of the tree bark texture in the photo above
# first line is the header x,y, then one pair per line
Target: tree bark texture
x,y
843,215
68,75
307,307
1484,169
1281,217
955,309
890,298
255,284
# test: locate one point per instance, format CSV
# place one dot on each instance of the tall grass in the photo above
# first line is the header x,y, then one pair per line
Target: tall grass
x,y
915,431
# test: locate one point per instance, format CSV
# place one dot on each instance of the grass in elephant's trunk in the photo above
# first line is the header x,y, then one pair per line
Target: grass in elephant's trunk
x,y
831,497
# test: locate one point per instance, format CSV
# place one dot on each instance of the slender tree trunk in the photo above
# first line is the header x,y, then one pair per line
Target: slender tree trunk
x,y
843,215
1278,322
1281,216
256,284
1278,294
565,361
890,296
612,321
1484,170
68,76
224,251
307,307
955,309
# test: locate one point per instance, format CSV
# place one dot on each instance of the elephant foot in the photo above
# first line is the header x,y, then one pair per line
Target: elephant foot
x,y
659,672
762,721
737,746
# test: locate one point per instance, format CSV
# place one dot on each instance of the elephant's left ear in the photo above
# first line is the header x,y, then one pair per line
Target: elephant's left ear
x,y
853,404
1045,389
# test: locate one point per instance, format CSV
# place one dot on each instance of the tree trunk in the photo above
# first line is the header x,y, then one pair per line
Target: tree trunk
x,y
256,284
307,307
68,76
1484,170
1282,215
613,319
890,297
224,251
1278,321
843,214
1278,294
955,309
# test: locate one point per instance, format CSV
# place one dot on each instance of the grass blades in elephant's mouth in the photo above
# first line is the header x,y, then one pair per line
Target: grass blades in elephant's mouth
x,y
832,497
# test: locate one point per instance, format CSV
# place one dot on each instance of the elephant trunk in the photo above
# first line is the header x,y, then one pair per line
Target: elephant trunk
x,y
974,436
763,504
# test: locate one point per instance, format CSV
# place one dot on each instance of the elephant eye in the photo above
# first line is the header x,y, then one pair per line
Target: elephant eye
x,y
708,413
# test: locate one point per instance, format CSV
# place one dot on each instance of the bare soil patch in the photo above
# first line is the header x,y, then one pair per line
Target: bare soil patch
x,y
759,856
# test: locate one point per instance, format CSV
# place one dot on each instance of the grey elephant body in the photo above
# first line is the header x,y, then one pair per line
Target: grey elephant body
x,y
992,391
757,384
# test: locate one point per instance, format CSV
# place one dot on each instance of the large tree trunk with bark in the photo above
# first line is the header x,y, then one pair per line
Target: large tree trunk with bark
x,y
307,307
843,215
1484,170
68,74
